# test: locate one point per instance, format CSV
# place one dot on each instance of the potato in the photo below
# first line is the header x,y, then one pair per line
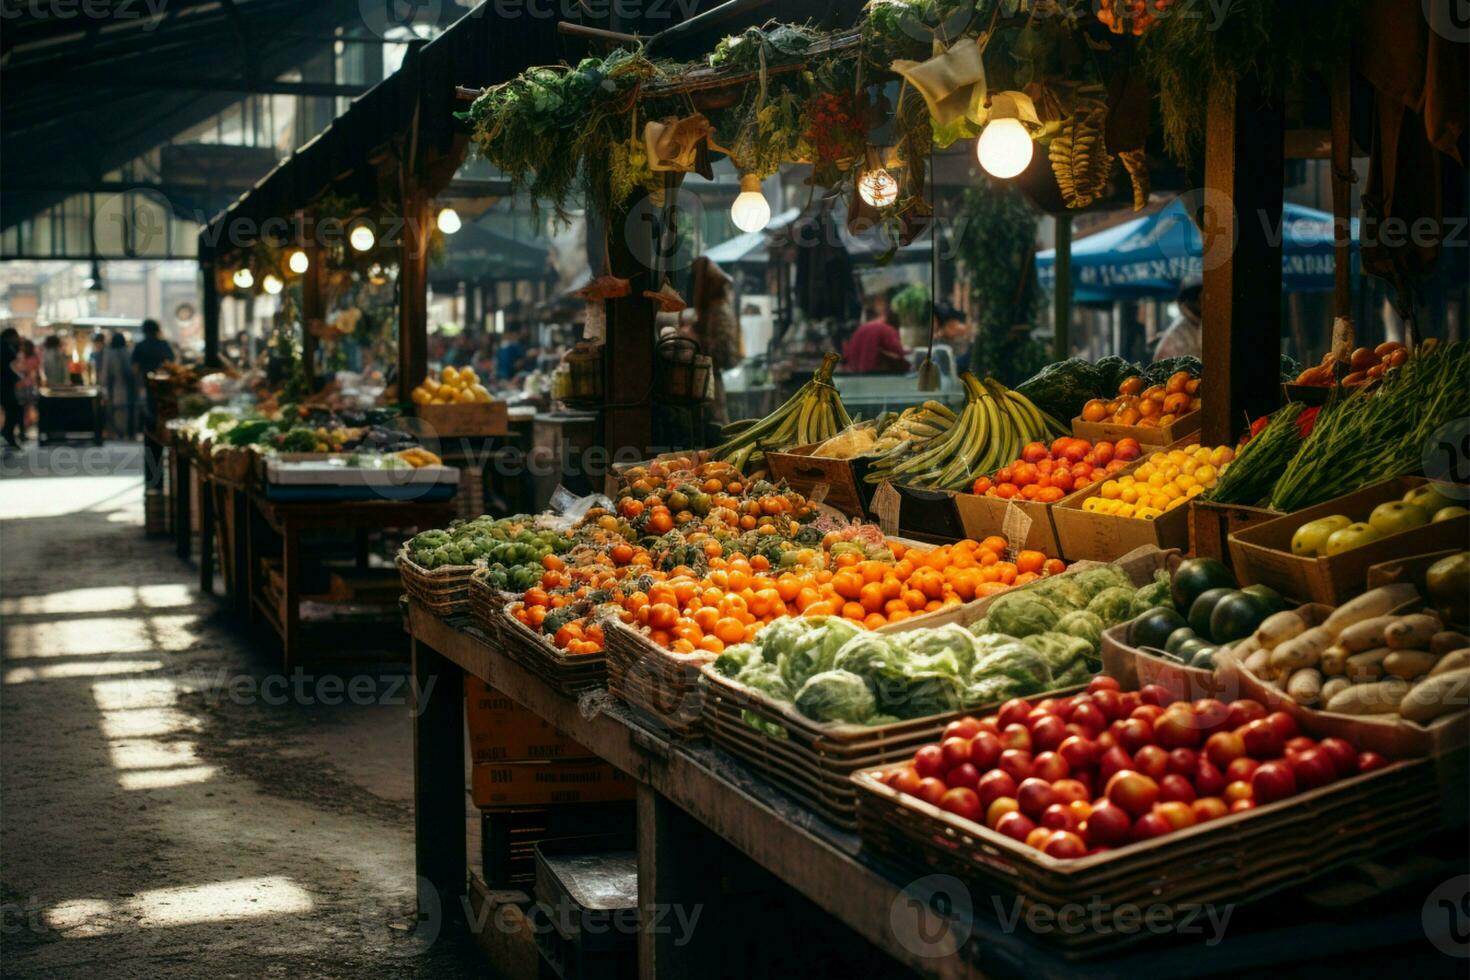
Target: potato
x,y
1258,662
1334,660
1278,628
1411,632
1331,686
1437,696
1303,650
1378,602
1246,647
1380,698
1445,641
1366,635
1454,660
1366,666
1408,664
1305,686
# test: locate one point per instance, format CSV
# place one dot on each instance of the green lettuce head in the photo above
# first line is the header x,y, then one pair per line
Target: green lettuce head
x,y
781,636
1023,613
814,652
836,695
1085,626
949,649
929,692
877,659
766,678
735,658
1112,606
1096,580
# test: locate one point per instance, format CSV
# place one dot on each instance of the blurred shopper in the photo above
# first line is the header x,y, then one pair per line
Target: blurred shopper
x,y
1184,335
55,363
713,325
150,354
9,403
116,381
28,385
95,358
950,328
875,347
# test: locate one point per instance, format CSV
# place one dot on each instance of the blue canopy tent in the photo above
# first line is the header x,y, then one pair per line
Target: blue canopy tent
x,y
1148,257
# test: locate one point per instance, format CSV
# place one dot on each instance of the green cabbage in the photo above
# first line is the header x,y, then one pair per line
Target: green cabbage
x,y
781,636
1151,595
735,658
880,662
814,652
1112,606
1079,673
993,690
836,695
981,626
1023,614
1096,580
766,678
1083,625
928,692
1059,650
949,649
1016,661
1064,592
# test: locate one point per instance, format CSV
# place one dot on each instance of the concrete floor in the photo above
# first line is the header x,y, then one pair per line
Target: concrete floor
x,y
170,805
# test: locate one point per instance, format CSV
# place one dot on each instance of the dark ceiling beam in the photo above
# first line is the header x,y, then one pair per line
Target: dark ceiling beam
x,y
170,83
25,35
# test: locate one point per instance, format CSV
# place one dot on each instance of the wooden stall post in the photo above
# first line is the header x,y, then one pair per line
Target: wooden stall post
x,y
209,310
627,417
1240,224
313,310
413,291
1062,293
439,781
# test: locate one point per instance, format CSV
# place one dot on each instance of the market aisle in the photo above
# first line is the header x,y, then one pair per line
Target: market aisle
x,y
172,806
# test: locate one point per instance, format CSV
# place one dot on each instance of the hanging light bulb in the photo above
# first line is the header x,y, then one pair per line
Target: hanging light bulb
x,y
272,285
243,279
877,187
298,262
362,237
449,222
1004,147
751,211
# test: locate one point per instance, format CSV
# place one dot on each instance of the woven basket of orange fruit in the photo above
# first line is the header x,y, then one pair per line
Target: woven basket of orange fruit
x,y
1155,415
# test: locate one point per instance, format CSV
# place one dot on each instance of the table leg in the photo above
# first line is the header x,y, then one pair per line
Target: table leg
x,y
291,597
206,541
240,552
252,564
679,874
438,782
183,486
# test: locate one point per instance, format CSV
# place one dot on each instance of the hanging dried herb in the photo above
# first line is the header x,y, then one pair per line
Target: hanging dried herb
x,y
1079,155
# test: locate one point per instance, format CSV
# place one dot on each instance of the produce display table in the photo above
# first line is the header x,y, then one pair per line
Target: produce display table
x,y
690,796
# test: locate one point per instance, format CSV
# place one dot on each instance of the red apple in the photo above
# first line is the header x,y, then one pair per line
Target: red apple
x,y
1134,734
1108,824
1013,712
1209,808
931,790
1080,810
1370,762
1102,682
929,761
962,802
1184,761
955,751
1243,712
1175,787
993,786
1048,732
1035,795
1064,844
1344,756
1238,790
1017,762
1090,717
1176,728
1065,706
1016,736
962,728
985,750
1113,761
1070,790
1299,744
1239,806
1285,725
1133,791
1262,740
990,724
1151,825
964,774
1015,825
1050,766
1131,702
1211,715
1148,712
1312,768
1044,707
1208,779
1037,838
1080,753
1110,703
1223,748
1105,741
1152,761
998,809
1156,694
1178,812
1059,816
1272,781
1242,768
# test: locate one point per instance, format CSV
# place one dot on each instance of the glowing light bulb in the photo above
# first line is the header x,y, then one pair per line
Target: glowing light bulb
x,y
243,279
362,238
299,262
1004,148
272,285
449,222
877,188
751,211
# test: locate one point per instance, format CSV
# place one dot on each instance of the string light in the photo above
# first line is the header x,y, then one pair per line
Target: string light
x,y
1004,148
272,285
751,211
243,279
362,237
878,188
298,262
449,222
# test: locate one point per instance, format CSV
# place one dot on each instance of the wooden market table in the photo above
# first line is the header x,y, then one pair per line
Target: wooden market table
x,y
691,795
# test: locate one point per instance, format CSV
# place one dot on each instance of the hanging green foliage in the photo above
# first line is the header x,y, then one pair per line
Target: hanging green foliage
x,y
994,241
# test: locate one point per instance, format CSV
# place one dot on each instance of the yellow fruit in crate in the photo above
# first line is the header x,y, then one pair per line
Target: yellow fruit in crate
x,y
464,397
1091,504
481,393
421,397
449,375
430,384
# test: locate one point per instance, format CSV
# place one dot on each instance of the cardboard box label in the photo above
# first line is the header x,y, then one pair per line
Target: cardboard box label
x,y
503,731
545,783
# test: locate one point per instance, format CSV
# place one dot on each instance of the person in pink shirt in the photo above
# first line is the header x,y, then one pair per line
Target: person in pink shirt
x,y
875,347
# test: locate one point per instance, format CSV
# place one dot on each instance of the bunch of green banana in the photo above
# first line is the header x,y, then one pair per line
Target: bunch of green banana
x,y
990,431
814,414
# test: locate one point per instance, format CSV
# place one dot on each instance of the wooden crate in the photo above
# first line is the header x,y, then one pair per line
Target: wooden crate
x,y
1135,668
1103,537
838,483
1149,437
444,590
1211,524
661,685
981,516
1234,859
473,419
571,675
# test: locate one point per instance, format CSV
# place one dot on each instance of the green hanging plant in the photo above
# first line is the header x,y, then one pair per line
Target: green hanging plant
x,y
995,242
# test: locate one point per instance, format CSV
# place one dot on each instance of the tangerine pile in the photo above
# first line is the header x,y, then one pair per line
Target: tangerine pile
x,y
1156,406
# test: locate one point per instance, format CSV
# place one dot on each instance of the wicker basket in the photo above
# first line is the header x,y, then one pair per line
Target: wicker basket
x,y
660,685
487,603
231,464
445,591
1236,858
571,675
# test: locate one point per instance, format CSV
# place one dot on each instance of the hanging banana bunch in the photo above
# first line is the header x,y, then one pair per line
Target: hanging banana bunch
x,y
1079,154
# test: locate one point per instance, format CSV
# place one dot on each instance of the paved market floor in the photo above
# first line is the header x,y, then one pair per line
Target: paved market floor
x,y
170,804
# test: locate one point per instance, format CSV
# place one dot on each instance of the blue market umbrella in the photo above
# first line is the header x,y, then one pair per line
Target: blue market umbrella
x,y
1149,257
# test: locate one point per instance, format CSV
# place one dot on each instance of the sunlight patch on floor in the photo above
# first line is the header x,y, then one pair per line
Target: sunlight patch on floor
x,y
134,779
82,668
110,598
246,898
125,723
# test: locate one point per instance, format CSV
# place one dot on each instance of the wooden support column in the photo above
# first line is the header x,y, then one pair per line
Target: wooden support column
x,y
209,311
1240,223
627,418
413,291
1062,294
313,309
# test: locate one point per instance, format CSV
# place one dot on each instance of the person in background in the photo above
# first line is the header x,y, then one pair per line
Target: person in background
x,y
28,387
950,328
712,323
875,347
116,382
1184,335
509,356
55,363
151,353
95,358
9,351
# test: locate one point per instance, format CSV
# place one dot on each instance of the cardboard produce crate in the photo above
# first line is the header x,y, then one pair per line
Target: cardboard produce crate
x,y
982,516
472,419
1104,537
498,785
1262,554
1147,436
845,490
503,731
